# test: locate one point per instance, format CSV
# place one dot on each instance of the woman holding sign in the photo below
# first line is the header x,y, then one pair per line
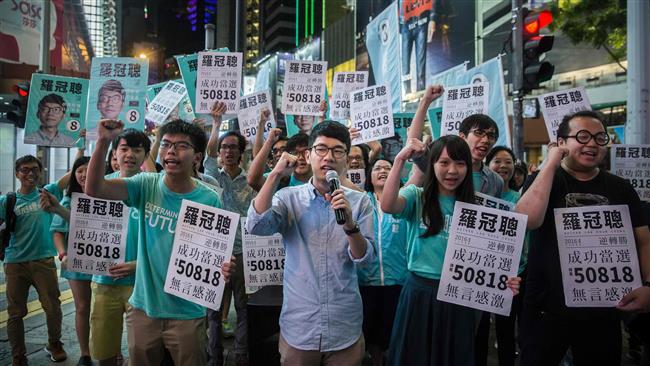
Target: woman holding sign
x,y
79,282
428,331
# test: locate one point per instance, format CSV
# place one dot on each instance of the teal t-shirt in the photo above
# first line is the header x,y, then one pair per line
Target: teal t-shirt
x,y
149,194
32,239
513,196
62,226
295,182
477,179
425,256
131,246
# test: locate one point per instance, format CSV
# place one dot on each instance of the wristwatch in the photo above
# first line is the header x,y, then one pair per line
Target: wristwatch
x,y
354,230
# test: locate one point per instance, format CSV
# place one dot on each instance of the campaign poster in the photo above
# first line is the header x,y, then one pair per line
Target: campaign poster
x,y
56,111
203,241
219,78
117,90
182,111
97,235
460,102
632,162
558,104
263,258
598,254
371,114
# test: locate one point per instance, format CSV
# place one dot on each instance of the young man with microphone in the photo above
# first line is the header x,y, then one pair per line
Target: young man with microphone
x,y
326,230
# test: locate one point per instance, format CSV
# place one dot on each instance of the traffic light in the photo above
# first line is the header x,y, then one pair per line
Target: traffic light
x,y
15,110
534,45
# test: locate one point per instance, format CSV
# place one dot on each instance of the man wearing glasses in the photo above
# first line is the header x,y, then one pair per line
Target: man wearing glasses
x,y
321,314
110,99
51,110
572,177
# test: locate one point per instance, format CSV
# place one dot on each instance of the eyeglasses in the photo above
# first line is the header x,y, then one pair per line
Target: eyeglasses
x,y
25,170
112,99
50,109
229,147
178,145
377,168
482,133
299,153
584,136
337,152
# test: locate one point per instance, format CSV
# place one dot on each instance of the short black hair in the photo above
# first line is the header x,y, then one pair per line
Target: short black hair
x,y
26,160
368,186
495,150
194,132
133,138
51,98
73,183
331,129
480,121
300,139
564,128
241,140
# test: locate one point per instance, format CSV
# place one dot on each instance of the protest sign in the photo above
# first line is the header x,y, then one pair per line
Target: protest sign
x,y
358,177
486,200
447,79
182,111
117,90
597,254
219,80
263,258
632,162
372,114
250,110
165,102
483,252
344,84
558,104
97,235
56,111
461,102
304,83
203,241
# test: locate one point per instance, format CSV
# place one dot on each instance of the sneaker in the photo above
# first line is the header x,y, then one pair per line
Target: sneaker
x,y
56,351
227,330
85,361
19,361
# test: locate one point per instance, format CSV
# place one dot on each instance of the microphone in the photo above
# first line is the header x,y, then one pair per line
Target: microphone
x,y
332,177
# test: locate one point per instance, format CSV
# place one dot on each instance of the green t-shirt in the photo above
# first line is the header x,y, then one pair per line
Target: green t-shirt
x,y
425,256
32,239
131,246
149,194
477,179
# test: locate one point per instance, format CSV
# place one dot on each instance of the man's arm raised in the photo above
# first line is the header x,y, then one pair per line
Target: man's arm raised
x,y
96,185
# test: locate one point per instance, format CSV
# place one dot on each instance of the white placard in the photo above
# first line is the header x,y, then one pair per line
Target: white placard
x,y
483,252
250,109
164,103
461,102
97,234
218,79
203,241
597,254
263,258
371,112
632,162
558,104
304,87
344,84
488,201
358,177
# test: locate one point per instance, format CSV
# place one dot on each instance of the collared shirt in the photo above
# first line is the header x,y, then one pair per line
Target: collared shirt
x,y
39,138
321,308
237,194
489,182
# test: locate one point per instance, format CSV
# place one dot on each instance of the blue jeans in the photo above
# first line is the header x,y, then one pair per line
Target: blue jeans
x,y
416,36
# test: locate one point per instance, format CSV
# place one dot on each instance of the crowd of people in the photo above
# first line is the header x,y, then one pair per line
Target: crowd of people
x,y
360,287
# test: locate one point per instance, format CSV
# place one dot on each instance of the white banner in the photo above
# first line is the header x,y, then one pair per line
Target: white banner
x,y
486,200
344,84
250,109
558,104
304,87
632,162
263,258
372,114
203,241
97,234
358,177
597,254
218,79
461,102
483,252
164,103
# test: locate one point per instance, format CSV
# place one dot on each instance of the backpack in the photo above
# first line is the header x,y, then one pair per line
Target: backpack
x,y
9,224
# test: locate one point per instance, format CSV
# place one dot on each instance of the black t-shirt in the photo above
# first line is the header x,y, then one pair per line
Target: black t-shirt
x,y
544,290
